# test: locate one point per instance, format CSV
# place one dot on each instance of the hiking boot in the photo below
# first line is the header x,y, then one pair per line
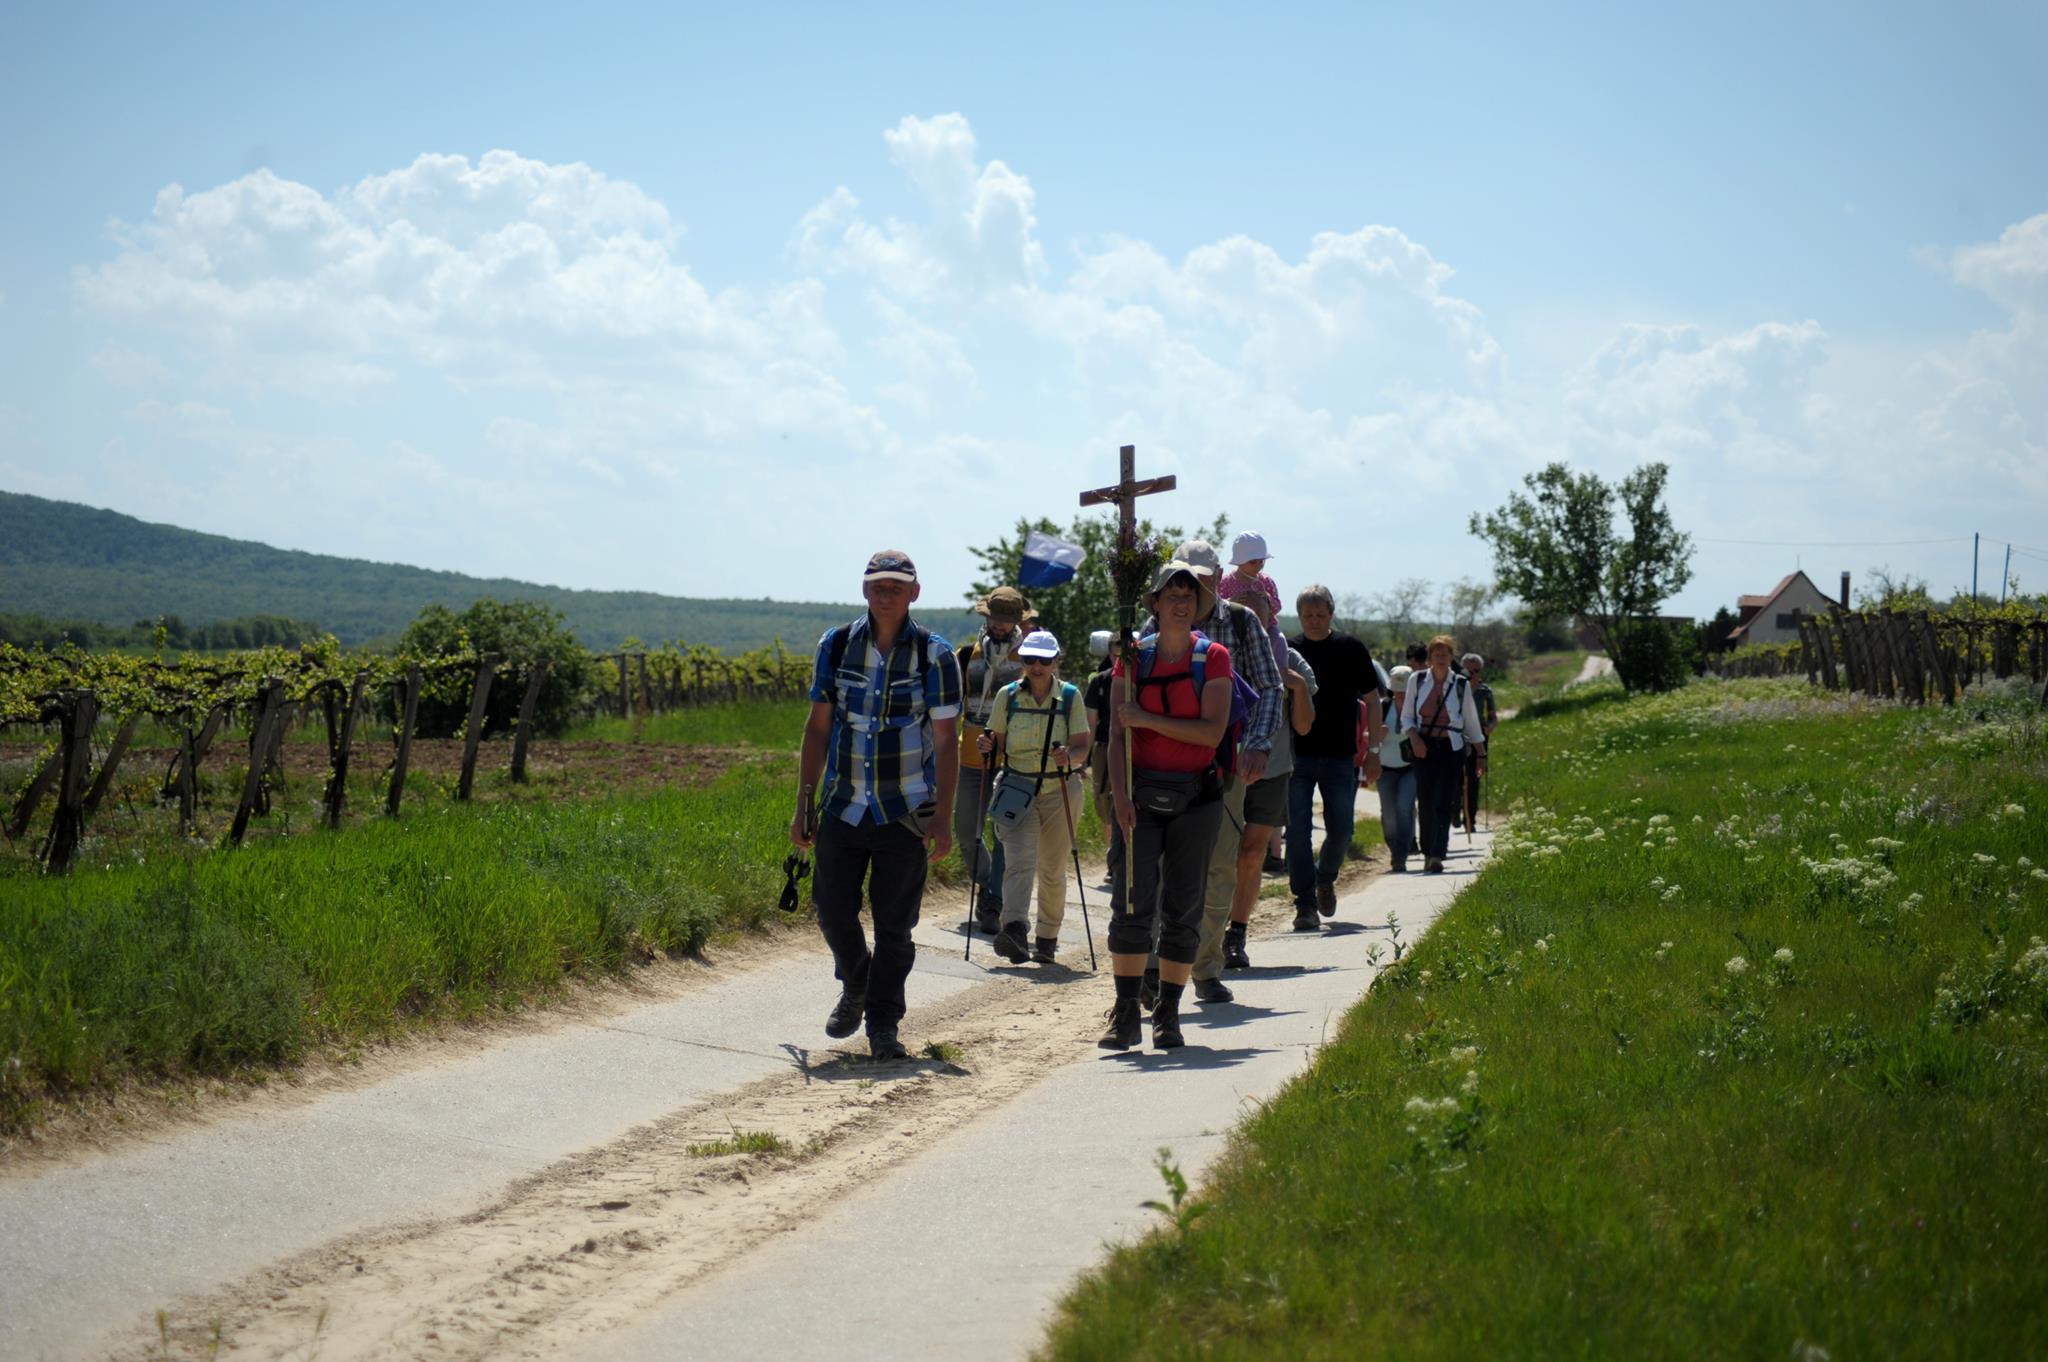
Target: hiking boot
x,y
1124,1029
1307,920
1400,866
1212,991
1326,899
1045,950
1273,865
1234,956
846,1013
1148,992
1166,1026
988,921
1010,944
883,1045
1433,866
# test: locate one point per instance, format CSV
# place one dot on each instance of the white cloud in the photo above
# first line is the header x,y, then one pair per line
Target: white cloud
x,y
585,389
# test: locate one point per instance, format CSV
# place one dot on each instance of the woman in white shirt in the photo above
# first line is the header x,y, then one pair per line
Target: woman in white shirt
x,y
1439,722
1397,776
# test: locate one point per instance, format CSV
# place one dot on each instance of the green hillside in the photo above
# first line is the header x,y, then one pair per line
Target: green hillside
x,y
64,561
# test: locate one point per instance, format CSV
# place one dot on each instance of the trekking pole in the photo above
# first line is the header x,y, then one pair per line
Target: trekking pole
x,y
974,866
988,681
1073,845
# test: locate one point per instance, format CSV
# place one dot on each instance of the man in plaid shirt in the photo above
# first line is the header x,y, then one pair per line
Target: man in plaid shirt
x,y
883,733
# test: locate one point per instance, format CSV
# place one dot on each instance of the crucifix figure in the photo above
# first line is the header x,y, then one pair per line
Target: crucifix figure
x,y
1131,578
1126,491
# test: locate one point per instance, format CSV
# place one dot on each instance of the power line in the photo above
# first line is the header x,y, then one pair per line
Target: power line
x,y
1839,544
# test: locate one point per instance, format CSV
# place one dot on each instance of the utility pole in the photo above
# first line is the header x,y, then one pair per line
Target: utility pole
x,y
1975,536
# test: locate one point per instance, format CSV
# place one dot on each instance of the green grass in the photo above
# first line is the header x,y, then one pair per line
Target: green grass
x,y
741,1142
212,962
1569,1124
774,724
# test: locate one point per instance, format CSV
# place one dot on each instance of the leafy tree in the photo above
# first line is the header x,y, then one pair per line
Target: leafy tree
x,y
1710,637
1078,608
1560,550
523,632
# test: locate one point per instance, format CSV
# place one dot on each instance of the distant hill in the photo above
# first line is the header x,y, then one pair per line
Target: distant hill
x,y
63,561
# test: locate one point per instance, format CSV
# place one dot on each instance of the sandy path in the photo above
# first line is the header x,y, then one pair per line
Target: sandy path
x,y
1596,666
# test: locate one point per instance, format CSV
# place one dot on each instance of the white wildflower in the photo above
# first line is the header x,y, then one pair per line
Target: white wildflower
x,y
1464,1054
2015,811
1737,965
1983,858
1423,1106
1470,1083
1783,955
1542,945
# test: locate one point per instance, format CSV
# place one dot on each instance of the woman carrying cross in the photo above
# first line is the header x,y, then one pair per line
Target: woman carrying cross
x,y
1168,800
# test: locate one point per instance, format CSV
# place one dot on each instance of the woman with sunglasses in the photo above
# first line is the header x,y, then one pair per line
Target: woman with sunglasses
x,y
1037,736
1168,810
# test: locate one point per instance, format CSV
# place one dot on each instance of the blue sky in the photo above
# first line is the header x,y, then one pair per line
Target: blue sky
x,y
811,281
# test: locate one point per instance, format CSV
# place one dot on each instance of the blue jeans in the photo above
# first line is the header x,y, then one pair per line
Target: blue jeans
x,y
1397,810
1336,779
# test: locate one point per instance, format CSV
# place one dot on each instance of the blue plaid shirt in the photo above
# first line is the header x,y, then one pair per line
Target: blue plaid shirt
x,y
880,762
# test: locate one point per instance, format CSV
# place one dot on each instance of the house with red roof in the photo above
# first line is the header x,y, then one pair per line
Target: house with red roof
x,y
1774,617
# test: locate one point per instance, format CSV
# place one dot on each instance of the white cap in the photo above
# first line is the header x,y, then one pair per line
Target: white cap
x,y
1039,643
1248,547
1098,643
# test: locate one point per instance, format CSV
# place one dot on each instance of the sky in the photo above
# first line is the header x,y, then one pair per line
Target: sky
x,y
716,302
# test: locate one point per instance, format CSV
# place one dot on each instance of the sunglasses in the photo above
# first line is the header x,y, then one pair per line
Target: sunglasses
x,y
1038,661
794,869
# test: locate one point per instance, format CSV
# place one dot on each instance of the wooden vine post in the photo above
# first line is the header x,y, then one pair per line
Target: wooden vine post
x,y
473,732
339,745
408,715
527,703
25,807
77,711
187,772
103,779
269,716
194,750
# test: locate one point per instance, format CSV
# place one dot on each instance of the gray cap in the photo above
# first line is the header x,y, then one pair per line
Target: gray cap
x,y
1199,554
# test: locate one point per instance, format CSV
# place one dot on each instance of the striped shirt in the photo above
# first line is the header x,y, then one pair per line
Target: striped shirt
x,y
881,761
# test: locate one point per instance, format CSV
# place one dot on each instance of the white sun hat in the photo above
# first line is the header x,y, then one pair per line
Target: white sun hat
x,y
1248,547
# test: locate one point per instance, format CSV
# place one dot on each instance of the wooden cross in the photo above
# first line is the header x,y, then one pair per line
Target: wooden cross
x,y
1124,495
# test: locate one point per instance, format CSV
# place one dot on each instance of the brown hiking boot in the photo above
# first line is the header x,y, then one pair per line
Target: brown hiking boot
x,y
1326,899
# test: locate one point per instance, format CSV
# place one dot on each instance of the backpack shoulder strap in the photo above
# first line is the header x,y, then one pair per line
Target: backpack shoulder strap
x,y
836,655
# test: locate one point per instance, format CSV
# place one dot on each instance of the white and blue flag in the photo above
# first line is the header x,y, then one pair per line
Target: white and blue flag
x,y
1049,561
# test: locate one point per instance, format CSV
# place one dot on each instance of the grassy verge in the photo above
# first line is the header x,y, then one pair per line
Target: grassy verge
x,y
773,724
1739,1049
216,962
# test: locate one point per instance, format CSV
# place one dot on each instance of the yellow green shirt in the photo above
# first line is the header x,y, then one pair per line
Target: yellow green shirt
x,y
1023,733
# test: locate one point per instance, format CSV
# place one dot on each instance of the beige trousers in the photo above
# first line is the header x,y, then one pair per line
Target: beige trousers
x,y
1222,882
1040,846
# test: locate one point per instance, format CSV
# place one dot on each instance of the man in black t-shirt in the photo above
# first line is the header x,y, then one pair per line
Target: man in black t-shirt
x,y
1325,758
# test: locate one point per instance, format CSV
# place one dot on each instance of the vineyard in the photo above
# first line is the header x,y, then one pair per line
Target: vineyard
x,y
90,707
1917,656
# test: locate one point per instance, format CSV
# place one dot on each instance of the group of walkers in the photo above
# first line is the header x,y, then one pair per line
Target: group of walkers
x,y
1232,732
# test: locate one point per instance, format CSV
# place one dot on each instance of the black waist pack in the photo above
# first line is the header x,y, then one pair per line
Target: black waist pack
x,y
1167,793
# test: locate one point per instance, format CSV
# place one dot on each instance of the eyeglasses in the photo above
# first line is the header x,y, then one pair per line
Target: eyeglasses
x,y
1038,661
